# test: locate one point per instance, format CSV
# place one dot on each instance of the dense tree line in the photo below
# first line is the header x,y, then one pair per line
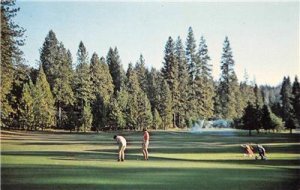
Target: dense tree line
x,y
96,93
274,115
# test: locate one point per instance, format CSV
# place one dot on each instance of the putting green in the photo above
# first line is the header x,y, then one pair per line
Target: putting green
x,y
178,160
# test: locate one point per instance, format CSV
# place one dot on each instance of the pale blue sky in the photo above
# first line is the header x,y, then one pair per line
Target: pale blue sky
x,y
264,36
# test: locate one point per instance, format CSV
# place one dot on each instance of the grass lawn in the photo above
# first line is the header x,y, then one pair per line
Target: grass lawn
x,y
178,160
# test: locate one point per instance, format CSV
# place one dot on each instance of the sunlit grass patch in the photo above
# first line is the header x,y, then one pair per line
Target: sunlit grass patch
x,y
178,160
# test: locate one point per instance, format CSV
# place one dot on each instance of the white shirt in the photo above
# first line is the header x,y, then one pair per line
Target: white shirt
x,y
121,140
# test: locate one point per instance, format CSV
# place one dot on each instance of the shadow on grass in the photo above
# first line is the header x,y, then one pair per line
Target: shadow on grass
x,y
276,163
188,147
68,143
165,142
111,154
270,174
86,177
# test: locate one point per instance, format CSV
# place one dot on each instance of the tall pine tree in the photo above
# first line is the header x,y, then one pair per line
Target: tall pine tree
x,y
286,97
266,120
62,86
296,98
116,116
228,89
287,108
191,54
248,121
139,108
115,69
156,119
165,104
144,119
103,89
82,86
11,41
87,118
183,83
141,72
206,87
43,105
50,57
26,107
170,74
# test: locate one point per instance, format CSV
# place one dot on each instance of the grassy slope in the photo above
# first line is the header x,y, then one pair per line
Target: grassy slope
x,y
178,160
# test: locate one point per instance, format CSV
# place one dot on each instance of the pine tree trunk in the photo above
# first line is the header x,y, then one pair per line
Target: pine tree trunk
x,y
291,130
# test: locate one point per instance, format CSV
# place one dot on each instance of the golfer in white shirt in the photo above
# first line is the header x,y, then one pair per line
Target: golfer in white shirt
x,y
122,146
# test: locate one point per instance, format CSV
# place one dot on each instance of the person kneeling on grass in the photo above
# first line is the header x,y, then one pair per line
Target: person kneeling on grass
x,y
122,146
261,151
145,144
248,150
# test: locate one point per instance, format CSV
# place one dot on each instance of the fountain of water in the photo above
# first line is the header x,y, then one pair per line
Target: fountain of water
x,y
218,127
197,127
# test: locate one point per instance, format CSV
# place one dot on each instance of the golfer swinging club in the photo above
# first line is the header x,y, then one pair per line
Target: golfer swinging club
x,y
145,143
122,146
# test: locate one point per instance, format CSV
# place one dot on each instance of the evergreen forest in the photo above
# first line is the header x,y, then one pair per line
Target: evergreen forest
x,y
93,92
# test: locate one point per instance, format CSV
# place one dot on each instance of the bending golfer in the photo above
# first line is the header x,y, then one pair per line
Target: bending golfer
x,y
261,151
145,144
122,146
248,150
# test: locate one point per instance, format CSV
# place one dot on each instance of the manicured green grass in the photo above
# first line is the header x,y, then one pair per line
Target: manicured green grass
x,y
178,160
